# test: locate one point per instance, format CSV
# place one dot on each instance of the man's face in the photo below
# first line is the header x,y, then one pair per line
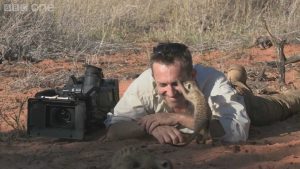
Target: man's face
x,y
165,77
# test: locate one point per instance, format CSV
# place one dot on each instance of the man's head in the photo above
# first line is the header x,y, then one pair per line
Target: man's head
x,y
171,62
169,53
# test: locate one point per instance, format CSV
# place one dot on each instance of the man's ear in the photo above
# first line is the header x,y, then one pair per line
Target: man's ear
x,y
194,74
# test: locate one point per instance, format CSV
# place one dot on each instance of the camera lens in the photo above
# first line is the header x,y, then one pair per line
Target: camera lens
x,y
63,117
60,117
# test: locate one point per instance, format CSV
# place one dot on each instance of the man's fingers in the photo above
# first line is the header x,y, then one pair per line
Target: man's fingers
x,y
148,124
169,135
160,139
176,136
153,126
179,135
159,135
167,138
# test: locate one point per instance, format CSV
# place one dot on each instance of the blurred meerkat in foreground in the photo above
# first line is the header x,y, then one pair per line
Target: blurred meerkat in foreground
x,y
201,111
131,157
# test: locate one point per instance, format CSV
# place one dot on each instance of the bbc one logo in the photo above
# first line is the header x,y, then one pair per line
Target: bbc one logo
x,y
27,7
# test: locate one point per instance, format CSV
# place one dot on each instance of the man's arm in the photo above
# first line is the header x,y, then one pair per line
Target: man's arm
x,y
124,130
150,122
130,129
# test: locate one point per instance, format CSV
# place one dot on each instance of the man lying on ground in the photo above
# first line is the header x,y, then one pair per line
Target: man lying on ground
x,y
153,103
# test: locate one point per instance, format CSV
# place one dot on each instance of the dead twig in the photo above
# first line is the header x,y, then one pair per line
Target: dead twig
x,y
279,45
13,120
262,73
292,59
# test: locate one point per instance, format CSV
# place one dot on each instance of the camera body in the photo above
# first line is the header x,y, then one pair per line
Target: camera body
x,y
69,112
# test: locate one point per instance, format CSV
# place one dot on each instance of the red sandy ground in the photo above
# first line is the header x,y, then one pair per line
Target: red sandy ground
x,y
271,147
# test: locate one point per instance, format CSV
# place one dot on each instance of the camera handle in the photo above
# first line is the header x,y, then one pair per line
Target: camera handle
x,y
48,92
92,78
74,79
88,93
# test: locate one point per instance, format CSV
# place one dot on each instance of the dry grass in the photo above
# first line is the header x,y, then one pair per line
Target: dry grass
x,y
95,26
28,35
40,80
213,23
13,118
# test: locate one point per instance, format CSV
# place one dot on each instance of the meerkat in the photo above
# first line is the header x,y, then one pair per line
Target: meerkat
x,y
263,42
237,76
131,157
201,111
237,73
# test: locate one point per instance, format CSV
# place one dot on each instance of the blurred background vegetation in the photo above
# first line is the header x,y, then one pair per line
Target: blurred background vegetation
x,y
101,26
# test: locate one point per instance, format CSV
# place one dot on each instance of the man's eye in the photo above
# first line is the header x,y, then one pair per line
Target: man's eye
x,y
162,85
174,84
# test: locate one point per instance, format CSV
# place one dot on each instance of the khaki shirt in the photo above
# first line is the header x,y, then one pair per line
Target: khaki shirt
x,y
141,99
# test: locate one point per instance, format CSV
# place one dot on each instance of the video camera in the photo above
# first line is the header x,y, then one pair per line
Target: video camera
x,y
70,111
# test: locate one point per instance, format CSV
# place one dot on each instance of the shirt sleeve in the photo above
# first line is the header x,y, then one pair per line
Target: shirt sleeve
x,y
229,107
135,101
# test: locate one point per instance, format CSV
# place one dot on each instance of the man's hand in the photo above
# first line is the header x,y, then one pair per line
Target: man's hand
x,y
167,135
150,122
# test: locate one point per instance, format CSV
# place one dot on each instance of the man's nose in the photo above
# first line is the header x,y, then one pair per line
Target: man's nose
x,y
171,91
